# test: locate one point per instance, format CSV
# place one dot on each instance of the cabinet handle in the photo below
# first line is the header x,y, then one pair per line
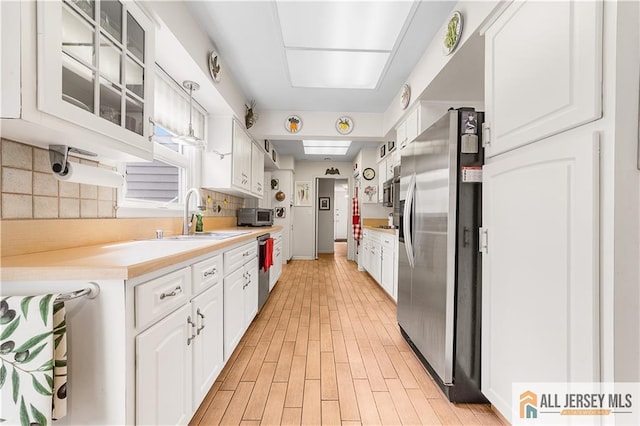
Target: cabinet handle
x,y
175,292
211,272
201,322
193,325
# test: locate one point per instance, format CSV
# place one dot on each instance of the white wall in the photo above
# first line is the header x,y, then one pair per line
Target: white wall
x,y
304,217
433,60
366,126
369,158
178,19
325,217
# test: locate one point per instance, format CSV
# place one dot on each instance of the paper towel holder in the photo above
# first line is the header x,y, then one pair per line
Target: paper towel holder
x,y
58,155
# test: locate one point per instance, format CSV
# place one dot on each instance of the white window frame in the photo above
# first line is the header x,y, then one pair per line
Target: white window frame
x,y
191,162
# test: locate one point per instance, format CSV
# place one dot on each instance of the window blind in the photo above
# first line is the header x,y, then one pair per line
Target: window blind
x,y
171,104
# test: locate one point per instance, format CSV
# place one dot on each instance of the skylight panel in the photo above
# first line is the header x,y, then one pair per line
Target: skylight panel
x,y
335,69
326,147
342,25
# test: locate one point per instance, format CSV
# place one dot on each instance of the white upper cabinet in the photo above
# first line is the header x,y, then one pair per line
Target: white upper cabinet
x,y
86,73
540,286
543,71
257,170
227,164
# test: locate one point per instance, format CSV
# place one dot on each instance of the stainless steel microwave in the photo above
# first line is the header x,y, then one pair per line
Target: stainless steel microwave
x,y
255,217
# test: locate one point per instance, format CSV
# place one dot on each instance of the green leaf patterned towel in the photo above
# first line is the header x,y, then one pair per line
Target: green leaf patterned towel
x,y
33,360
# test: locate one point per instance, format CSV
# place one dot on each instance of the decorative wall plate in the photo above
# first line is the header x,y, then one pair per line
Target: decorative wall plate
x,y
344,125
293,124
452,32
405,96
214,66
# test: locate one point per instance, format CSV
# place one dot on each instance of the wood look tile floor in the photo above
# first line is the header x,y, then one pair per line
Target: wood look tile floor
x,y
326,349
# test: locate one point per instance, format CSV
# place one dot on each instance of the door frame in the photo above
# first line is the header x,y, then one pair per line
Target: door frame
x,y
316,184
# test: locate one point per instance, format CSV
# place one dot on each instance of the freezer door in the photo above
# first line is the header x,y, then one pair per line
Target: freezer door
x,y
435,153
408,317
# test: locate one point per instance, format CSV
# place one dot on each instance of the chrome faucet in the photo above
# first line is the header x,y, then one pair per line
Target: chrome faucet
x,y
186,221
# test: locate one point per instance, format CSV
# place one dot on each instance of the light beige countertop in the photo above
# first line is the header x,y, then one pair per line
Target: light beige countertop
x,y
123,260
391,231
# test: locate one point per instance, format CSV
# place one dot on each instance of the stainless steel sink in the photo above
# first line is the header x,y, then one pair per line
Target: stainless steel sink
x,y
212,235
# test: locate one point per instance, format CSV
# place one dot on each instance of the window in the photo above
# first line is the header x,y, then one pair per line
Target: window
x,y
163,182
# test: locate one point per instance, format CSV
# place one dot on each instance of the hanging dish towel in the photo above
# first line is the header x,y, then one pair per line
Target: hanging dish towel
x,y
355,220
33,354
268,254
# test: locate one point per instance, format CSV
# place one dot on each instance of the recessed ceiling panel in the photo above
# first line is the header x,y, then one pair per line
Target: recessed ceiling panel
x,y
341,24
333,69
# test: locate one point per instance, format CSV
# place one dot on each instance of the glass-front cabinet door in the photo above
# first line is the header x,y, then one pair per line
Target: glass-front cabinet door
x,y
95,67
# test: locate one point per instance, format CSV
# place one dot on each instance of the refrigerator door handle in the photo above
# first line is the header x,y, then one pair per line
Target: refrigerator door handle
x,y
408,208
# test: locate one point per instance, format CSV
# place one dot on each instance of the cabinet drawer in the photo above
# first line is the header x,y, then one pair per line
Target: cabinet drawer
x,y
206,273
233,259
156,298
388,240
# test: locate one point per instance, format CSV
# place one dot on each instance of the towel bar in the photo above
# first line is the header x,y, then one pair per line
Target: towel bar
x,y
91,292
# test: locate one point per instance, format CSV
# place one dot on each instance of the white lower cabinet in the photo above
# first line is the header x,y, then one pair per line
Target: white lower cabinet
x,y
276,269
240,294
178,357
388,264
163,371
379,259
208,351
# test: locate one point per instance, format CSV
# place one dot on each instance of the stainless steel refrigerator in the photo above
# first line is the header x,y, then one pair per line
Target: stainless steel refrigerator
x,y
439,275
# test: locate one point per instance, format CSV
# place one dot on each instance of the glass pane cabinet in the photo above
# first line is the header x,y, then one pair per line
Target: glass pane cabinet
x,y
97,66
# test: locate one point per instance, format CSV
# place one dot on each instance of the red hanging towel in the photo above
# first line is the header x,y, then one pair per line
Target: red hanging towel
x,y
355,219
268,254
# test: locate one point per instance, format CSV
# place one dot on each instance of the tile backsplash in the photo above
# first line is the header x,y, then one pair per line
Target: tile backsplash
x,y
29,190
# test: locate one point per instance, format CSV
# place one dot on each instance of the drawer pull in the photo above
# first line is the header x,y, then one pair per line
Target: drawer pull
x,y
211,272
193,325
201,322
175,292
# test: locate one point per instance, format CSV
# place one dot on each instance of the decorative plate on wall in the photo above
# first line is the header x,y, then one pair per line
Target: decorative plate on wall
x,y
214,66
453,32
344,125
293,124
405,96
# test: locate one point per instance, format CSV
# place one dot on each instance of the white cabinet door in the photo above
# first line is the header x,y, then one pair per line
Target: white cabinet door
x,y
234,323
208,352
97,73
388,251
257,170
401,135
241,152
542,79
163,371
251,291
540,291
412,124
376,261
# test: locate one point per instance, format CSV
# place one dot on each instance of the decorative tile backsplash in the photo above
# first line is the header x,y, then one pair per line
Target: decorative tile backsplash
x,y
29,190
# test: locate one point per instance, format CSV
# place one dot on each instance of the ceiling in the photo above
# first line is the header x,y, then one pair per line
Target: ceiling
x,y
248,36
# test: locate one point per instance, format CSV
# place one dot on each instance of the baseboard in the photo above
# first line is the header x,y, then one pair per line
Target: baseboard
x,y
340,240
302,258
326,251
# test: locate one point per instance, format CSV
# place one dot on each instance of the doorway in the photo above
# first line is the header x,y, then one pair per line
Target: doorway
x,y
332,214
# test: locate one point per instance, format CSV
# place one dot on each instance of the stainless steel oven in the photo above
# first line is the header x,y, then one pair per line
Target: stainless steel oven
x,y
387,193
396,196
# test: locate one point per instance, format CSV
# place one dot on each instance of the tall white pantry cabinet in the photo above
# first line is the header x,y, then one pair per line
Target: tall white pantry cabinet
x,y
540,235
